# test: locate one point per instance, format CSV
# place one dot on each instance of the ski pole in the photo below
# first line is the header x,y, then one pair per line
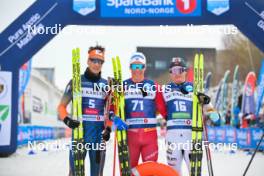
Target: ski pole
x,y
114,160
208,152
253,154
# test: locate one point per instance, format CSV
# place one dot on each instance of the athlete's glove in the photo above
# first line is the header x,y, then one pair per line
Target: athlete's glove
x,y
118,123
203,98
71,123
106,134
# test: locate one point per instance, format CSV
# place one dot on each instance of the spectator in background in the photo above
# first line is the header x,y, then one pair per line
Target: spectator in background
x,y
248,120
261,121
228,117
235,120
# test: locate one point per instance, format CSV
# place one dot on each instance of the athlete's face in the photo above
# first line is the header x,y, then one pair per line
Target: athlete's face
x,y
178,78
95,65
137,71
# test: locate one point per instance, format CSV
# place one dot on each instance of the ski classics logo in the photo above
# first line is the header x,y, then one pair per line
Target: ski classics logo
x,y
84,7
150,8
218,7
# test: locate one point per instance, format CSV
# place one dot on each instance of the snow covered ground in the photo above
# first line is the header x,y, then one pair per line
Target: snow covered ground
x,y
54,162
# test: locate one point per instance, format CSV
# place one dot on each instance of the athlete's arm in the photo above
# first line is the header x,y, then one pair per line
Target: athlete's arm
x,y
62,108
65,100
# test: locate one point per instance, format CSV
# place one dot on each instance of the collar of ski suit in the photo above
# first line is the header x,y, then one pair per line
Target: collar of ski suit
x,y
91,76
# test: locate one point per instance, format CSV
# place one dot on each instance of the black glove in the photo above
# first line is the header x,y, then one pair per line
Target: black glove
x,y
106,134
203,98
71,123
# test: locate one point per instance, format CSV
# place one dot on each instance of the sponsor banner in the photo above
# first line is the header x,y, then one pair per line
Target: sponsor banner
x,y
245,138
256,134
5,107
150,8
220,135
211,131
231,135
38,133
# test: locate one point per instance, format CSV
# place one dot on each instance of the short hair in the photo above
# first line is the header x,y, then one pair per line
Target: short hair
x,y
97,47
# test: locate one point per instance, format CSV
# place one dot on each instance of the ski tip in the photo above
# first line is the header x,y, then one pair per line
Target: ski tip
x,y
78,53
73,52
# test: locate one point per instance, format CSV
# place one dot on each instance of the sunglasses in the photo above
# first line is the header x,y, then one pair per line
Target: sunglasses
x,y
137,66
96,61
177,70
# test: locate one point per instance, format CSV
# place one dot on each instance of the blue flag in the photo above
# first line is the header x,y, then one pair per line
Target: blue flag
x,y
235,91
207,82
260,90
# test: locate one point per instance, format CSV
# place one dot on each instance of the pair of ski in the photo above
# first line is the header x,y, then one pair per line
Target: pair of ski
x,y
198,124
119,110
78,153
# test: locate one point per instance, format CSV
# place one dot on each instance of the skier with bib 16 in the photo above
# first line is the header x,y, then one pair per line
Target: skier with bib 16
x,y
179,114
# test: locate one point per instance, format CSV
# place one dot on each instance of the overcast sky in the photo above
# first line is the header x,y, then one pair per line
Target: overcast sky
x,y
120,41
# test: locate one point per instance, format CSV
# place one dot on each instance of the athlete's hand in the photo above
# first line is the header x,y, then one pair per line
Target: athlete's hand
x,y
71,123
119,124
106,133
203,98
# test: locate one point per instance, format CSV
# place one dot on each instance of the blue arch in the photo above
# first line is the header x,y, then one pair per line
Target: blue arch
x,y
18,45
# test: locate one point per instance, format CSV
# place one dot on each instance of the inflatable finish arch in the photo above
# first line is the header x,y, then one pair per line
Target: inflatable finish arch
x,y
18,44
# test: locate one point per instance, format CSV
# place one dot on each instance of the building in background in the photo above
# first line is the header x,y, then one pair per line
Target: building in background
x,y
159,58
41,98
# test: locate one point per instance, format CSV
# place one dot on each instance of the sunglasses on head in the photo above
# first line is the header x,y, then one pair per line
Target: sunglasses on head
x,y
96,61
177,70
137,66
